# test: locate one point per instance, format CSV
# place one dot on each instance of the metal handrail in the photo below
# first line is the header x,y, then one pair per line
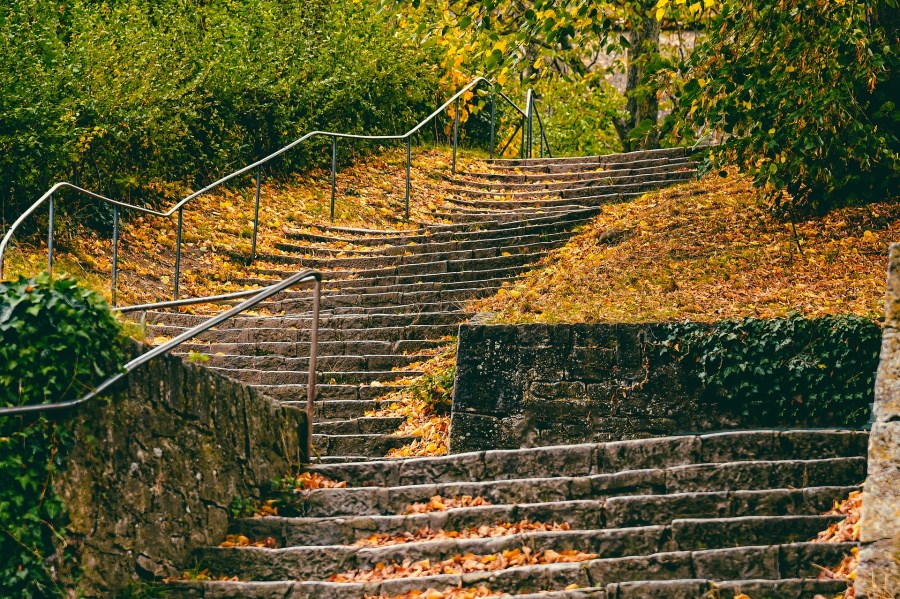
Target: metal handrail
x,y
259,295
257,165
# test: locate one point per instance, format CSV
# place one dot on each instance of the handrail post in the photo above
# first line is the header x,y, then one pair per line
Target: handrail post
x,y
455,134
115,252
50,239
256,214
408,164
524,133
311,383
530,105
178,250
492,125
333,171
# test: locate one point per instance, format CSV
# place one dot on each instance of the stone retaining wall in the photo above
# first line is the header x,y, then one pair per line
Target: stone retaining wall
x,y
879,557
534,384
155,467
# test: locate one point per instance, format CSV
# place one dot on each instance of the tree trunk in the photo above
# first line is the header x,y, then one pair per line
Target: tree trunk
x,y
642,105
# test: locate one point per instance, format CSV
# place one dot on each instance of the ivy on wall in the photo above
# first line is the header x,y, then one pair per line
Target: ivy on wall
x,y
57,341
792,369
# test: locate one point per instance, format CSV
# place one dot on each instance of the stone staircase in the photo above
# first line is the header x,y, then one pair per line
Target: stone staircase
x,y
391,297
713,515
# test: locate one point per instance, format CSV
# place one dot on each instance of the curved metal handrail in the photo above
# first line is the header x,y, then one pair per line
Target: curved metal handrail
x,y
257,165
259,295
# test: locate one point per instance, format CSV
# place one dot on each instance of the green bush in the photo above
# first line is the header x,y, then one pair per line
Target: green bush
x,y
436,389
804,96
143,100
57,341
780,370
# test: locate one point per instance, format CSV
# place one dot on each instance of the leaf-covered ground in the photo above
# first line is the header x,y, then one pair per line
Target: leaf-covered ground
x,y
707,250
218,227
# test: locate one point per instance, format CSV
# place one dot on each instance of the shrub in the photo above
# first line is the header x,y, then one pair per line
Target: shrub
x,y
56,342
804,95
780,370
142,101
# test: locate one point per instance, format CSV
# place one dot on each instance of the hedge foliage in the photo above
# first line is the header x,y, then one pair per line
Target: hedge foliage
x,y
56,342
804,96
794,369
143,100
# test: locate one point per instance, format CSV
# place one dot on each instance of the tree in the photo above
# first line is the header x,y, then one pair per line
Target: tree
x,y
549,38
803,94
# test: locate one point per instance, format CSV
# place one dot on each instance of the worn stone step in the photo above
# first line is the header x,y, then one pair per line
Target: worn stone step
x,y
430,247
560,173
777,562
300,349
367,281
587,514
422,262
359,426
635,157
583,189
324,363
516,182
326,392
792,588
303,321
319,562
591,458
480,231
283,335
296,377
698,478
358,444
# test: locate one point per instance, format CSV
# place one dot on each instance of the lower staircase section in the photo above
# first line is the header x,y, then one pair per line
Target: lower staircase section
x,y
713,515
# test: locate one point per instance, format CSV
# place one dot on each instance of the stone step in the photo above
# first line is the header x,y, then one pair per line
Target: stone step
x,y
527,182
792,588
363,333
585,189
357,444
543,202
777,562
587,459
175,320
697,478
324,363
635,157
421,262
567,173
432,247
327,393
587,514
319,562
362,283
300,349
481,231
359,426
296,377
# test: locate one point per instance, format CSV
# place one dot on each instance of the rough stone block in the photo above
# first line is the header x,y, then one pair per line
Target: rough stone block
x,y
887,381
881,504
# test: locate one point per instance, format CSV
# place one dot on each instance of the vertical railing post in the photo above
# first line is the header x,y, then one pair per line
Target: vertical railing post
x,y
530,123
333,171
178,250
50,239
492,125
115,253
256,214
311,382
524,132
408,164
455,134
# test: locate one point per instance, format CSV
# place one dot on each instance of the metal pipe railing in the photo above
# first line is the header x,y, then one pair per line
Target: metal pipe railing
x,y
257,166
258,295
